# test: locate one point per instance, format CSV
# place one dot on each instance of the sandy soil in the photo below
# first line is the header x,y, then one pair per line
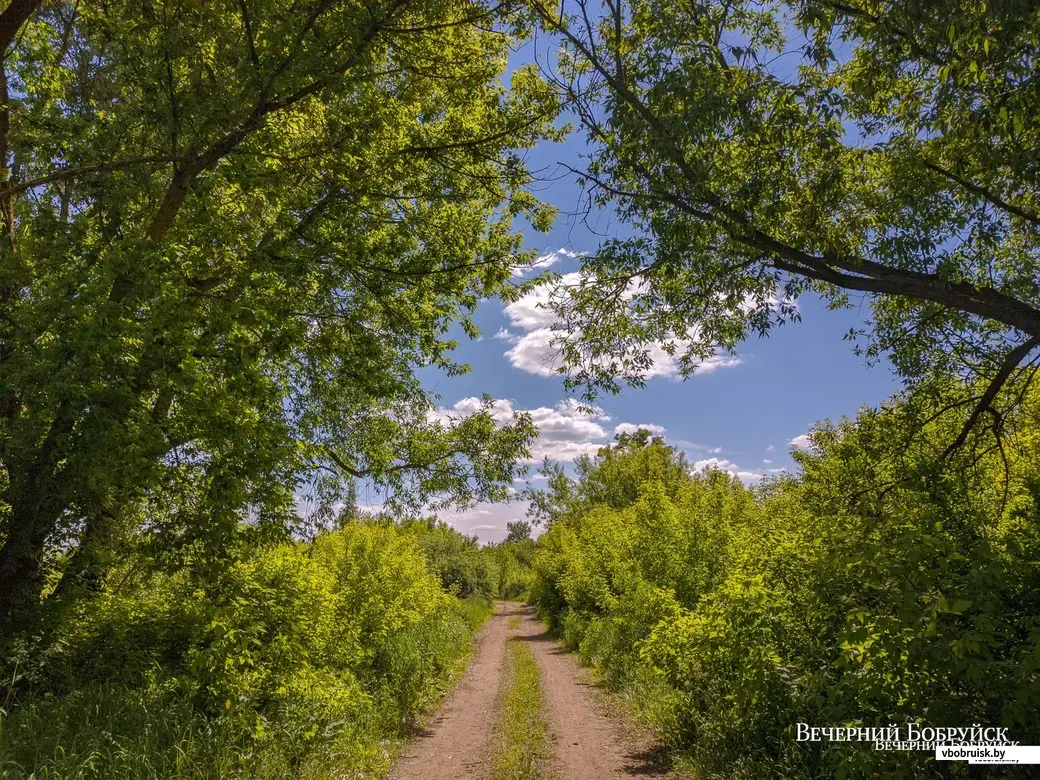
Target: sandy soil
x,y
588,740
456,744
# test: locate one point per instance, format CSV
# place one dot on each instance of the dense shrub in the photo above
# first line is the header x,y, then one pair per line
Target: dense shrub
x,y
466,569
301,660
458,561
874,587
514,560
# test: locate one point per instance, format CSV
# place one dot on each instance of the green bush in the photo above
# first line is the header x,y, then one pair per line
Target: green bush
x,y
302,660
460,564
875,587
514,560
466,569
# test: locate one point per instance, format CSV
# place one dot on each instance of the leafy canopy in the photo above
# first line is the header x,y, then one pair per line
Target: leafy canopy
x,y
761,151
232,231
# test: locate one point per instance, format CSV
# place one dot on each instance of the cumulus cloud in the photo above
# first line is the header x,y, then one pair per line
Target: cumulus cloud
x,y
567,430
501,410
533,353
532,310
712,463
771,448
631,428
486,521
801,442
535,350
766,460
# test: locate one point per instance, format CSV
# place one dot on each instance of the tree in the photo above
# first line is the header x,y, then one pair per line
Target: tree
x,y
546,506
884,594
764,150
232,230
610,478
518,531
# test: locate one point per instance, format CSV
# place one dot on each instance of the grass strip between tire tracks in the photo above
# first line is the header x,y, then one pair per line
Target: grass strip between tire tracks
x,y
521,749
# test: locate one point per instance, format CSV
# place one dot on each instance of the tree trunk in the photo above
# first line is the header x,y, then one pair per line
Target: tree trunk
x,y
21,561
36,505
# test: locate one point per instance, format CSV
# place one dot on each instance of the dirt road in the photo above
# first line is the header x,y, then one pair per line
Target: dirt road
x,y
587,740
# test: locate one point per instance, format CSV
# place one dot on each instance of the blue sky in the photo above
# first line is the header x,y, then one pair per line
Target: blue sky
x,y
744,415
740,415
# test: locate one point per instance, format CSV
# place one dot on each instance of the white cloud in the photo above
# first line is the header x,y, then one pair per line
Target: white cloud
x,y
545,261
766,460
533,353
532,310
501,410
801,442
536,350
771,448
567,430
631,428
506,335
486,521
712,463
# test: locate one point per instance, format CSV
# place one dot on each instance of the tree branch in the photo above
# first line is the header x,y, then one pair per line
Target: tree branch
x,y
12,19
407,466
6,201
1007,368
84,170
984,193
862,274
183,179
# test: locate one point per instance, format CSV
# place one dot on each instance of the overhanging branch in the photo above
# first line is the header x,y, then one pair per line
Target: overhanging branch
x,y
1007,368
406,466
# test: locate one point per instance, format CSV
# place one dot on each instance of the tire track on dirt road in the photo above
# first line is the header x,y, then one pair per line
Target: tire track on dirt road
x,y
587,740
456,744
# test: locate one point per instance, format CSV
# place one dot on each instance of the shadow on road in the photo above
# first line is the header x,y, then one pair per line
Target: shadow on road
x,y
545,638
654,762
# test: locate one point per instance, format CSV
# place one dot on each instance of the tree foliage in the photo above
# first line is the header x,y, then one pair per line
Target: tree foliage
x,y
298,660
232,230
865,151
460,564
853,592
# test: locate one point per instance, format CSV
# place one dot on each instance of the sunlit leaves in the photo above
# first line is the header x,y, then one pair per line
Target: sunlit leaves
x,y
250,223
759,149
